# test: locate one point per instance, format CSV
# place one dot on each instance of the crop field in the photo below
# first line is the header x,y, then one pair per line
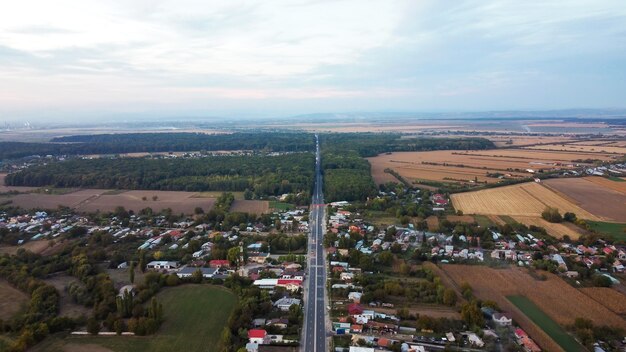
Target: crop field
x,y
557,230
471,166
433,223
549,326
42,247
526,199
615,230
194,318
593,196
92,200
461,218
608,297
11,300
617,185
257,207
560,301
586,147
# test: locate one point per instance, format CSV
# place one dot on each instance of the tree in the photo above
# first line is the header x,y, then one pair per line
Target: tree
x,y
449,297
385,258
197,276
131,269
93,326
233,256
472,315
569,217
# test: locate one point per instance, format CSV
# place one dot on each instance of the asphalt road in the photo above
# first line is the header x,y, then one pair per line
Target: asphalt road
x,y
314,336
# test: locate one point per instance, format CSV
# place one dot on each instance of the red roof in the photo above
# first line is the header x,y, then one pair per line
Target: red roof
x,y
355,308
256,334
219,262
289,281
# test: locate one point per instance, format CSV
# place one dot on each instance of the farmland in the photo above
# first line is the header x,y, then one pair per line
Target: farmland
x,y
608,297
195,317
557,230
257,207
560,301
92,200
548,325
11,300
472,166
615,230
527,199
554,296
593,196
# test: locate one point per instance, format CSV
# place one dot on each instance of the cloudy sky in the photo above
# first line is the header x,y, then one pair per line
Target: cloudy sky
x,y
88,59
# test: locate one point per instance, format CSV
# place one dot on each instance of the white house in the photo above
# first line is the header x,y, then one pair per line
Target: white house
x,y
162,265
502,319
285,303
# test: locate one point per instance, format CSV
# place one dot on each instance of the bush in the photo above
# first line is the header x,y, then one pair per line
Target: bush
x,y
552,215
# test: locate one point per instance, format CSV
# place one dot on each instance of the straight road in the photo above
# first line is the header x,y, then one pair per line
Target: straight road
x,y
314,335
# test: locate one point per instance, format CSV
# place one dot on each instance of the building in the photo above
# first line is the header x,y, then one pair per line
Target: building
x,y
162,265
257,336
219,263
285,303
188,271
502,319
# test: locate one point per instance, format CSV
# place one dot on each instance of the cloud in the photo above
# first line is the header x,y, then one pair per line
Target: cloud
x,y
416,54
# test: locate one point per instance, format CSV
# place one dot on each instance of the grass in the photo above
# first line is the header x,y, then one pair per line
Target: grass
x,y
215,194
276,205
483,221
195,316
509,220
616,179
549,326
615,230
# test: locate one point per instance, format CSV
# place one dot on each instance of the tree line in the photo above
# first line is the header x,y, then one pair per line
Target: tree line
x,y
263,175
372,144
160,142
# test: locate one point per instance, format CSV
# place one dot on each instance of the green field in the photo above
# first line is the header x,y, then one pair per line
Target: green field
x,y
549,326
483,221
615,230
276,205
509,220
195,316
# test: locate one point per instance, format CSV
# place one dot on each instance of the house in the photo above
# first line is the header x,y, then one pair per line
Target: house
x,y
252,347
361,349
127,288
188,271
258,336
527,342
219,263
278,323
162,265
285,303
257,257
355,296
502,319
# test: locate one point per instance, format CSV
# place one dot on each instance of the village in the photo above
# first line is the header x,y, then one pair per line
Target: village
x,y
385,288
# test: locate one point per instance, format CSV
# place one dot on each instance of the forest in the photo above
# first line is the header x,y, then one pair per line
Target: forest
x,y
160,142
262,174
372,144
347,176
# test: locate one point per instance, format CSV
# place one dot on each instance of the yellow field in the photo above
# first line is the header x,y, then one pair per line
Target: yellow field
x,y
526,199
469,166
555,230
581,148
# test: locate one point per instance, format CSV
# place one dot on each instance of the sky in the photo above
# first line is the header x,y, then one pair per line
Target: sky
x,y
88,59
